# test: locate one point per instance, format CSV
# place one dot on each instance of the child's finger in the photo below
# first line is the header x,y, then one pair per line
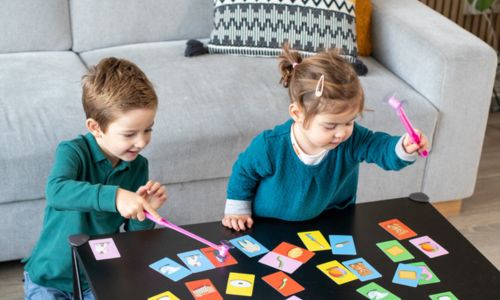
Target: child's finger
x,y
241,224
234,224
249,222
154,188
140,215
151,210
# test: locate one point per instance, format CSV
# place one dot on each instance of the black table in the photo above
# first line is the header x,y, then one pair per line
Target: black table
x,y
465,271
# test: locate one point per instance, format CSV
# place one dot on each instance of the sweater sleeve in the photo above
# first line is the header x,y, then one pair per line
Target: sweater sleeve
x,y
376,147
250,167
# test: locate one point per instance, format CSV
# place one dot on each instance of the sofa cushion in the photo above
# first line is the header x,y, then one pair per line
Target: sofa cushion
x,y
34,25
40,105
211,106
99,24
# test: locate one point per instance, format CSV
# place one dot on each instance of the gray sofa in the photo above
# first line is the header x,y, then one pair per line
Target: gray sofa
x,y
211,106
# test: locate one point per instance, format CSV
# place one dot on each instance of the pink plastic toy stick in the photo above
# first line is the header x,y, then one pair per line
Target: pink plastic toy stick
x,y
396,104
222,249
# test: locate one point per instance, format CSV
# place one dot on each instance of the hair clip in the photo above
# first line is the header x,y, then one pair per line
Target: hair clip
x,y
320,86
294,65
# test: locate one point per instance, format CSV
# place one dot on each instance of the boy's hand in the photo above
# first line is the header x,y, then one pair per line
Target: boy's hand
x,y
132,206
154,193
237,222
410,147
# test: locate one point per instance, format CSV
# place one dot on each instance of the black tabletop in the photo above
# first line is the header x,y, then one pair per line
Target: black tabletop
x,y
464,271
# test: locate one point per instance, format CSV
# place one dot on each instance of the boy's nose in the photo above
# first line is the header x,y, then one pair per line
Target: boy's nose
x,y
140,143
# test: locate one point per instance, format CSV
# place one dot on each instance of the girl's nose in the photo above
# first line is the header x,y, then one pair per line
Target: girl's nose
x,y
340,133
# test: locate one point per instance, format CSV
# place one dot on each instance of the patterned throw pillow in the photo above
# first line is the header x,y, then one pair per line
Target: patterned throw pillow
x,y
260,27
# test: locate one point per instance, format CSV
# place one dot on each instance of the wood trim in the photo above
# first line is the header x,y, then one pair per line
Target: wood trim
x,y
449,208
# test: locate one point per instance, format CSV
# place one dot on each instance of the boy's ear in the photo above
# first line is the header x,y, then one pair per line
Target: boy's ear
x,y
93,127
296,113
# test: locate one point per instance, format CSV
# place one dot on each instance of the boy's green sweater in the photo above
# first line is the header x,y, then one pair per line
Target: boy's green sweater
x,y
80,195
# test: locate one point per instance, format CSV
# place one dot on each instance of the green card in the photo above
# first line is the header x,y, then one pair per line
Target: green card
x,y
427,276
375,291
443,296
395,251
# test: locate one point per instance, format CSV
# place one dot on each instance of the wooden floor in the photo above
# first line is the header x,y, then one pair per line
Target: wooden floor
x,y
478,221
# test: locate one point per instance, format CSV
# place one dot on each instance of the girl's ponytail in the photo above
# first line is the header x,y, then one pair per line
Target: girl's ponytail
x,y
289,62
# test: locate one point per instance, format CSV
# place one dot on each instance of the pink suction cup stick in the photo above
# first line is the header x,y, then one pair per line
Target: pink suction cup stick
x,y
397,105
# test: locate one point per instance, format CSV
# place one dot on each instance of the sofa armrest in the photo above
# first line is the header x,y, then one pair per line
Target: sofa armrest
x,y
455,71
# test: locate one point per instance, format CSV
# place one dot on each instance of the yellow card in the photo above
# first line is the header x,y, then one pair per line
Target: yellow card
x,y
337,272
314,240
240,284
165,295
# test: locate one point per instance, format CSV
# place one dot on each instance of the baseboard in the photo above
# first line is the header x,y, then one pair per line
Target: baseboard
x,y
449,208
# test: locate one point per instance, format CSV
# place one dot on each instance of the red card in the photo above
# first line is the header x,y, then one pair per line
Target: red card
x,y
283,283
210,254
203,289
397,229
294,252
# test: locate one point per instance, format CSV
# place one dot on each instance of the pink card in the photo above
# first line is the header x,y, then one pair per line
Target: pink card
x,y
428,246
104,249
280,262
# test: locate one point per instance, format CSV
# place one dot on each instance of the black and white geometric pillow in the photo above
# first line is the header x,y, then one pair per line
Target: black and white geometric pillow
x,y
260,27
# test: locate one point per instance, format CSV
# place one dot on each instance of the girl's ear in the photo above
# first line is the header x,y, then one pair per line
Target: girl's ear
x,y
93,127
296,113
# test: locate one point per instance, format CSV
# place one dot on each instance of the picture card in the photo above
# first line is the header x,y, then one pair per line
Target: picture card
x,y
218,262
337,272
314,240
374,291
362,269
280,262
428,246
427,276
443,296
164,296
283,283
203,289
342,244
249,246
240,284
170,269
294,252
397,229
407,275
104,249
196,261
293,298
395,251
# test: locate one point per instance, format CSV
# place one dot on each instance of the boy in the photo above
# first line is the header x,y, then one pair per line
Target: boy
x,y
98,181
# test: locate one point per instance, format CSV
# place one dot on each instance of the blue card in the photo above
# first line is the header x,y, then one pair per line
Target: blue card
x,y
170,269
407,275
342,244
362,269
249,246
196,261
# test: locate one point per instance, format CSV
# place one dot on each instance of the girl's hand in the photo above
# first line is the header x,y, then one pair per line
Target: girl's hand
x,y
154,193
237,222
410,147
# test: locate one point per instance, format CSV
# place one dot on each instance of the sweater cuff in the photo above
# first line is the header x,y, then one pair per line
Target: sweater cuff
x,y
238,207
107,198
401,153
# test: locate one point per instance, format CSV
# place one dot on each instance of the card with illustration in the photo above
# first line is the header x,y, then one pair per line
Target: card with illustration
x,y
362,269
314,240
342,244
249,246
443,296
104,249
283,283
395,251
407,275
374,291
280,262
293,298
337,272
196,261
428,246
203,289
217,261
294,252
427,276
164,296
170,269
397,229
240,284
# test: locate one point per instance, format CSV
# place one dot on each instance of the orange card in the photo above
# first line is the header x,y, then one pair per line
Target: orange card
x,y
294,252
283,283
397,229
203,289
210,254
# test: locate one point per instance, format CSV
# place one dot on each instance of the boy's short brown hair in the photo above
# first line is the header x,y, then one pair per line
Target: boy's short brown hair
x,y
115,86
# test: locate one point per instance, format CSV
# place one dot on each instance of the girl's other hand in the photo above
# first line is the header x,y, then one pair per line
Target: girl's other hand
x,y
237,222
410,147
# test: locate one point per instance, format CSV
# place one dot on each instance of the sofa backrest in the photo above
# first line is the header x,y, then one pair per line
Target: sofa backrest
x,y
34,25
106,23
